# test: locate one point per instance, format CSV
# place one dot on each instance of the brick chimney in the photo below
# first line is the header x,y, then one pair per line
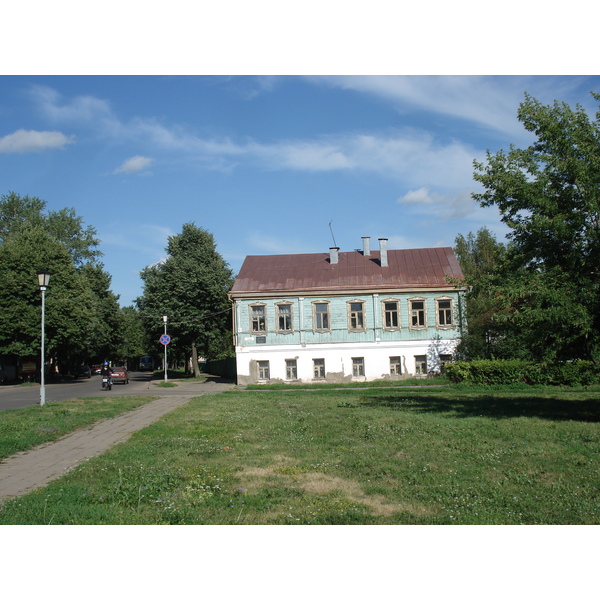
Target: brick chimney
x,y
333,255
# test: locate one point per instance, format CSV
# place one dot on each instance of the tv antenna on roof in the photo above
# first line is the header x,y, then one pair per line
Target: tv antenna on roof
x,y
331,229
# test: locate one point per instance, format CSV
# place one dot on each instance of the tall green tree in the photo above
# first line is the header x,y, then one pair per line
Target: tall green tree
x,y
481,258
548,195
81,312
68,299
190,286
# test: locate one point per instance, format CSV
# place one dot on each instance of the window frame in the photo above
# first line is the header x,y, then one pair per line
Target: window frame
x,y
399,363
288,366
327,314
253,317
362,313
322,371
385,311
358,368
419,371
279,316
261,370
411,310
439,310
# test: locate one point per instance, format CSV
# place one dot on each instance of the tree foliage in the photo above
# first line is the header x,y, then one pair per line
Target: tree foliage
x,y
548,195
81,312
190,286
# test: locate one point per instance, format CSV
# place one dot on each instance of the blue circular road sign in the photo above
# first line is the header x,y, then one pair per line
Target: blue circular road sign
x,y
165,339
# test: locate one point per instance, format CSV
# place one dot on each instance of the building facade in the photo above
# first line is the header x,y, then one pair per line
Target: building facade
x,y
346,316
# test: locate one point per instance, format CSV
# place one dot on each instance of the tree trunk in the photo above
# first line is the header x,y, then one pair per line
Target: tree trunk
x,y
195,366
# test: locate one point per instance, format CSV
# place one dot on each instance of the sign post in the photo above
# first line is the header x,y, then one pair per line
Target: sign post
x,y
165,340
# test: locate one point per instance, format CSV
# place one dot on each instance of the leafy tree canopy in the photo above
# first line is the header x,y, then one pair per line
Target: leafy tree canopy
x,y
548,195
190,286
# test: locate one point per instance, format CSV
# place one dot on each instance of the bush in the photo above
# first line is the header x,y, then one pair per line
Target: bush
x,y
506,372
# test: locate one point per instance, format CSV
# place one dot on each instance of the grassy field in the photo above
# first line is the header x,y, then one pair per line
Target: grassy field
x,y
372,456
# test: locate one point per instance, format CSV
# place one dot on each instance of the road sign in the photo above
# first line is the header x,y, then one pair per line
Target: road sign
x,y
165,339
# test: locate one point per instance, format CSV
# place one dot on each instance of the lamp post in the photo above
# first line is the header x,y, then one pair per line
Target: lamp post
x,y
165,322
43,280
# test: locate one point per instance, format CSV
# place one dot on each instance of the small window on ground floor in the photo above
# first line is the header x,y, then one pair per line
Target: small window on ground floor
x,y
395,365
263,370
421,365
291,369
319,368
358,367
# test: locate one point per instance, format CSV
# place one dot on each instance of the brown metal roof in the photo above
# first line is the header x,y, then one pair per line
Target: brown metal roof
x,y
305,273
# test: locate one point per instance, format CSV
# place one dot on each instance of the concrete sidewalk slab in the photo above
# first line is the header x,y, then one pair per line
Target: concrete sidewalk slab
x,y
24,472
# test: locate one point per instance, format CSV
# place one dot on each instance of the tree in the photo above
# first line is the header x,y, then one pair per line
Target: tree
x,y
548,195
81,312
481,258
190,286
18,213
68,301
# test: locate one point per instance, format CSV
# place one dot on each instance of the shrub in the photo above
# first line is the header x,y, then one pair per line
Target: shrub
x,y
506,372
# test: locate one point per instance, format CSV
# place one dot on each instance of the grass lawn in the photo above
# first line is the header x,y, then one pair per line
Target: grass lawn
x,y
24,428
372,456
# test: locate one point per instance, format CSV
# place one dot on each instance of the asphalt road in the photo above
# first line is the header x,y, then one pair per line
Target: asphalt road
x,y
18,396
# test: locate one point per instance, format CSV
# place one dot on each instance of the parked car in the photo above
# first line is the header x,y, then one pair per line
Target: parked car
x,y
96,369
120,375
83,371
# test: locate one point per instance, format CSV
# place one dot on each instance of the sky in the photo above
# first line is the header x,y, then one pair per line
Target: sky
x,y
267,164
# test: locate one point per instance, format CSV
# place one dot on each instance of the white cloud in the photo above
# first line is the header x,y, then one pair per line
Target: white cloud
x,y
439,207
490,102
420,196
135,164
22,141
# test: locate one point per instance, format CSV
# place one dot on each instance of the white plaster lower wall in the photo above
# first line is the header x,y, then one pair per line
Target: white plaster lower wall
x,y
338,359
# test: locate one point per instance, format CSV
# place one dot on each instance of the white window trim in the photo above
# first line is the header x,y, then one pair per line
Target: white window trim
x,y
410,313
437,312
314,316
291,314
349,304
398,313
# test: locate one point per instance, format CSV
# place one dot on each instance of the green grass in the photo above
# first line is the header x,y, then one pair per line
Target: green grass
x,y
24,428
376,456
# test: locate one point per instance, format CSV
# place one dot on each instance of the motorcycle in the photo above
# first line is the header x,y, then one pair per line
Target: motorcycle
x,y
106,383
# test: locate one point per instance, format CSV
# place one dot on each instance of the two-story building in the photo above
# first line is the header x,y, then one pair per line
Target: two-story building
x,y
346,316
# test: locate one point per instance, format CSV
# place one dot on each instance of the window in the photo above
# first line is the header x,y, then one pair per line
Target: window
x,y
356,316
284,318
319,368
421,365
391,314
395,365
258,319
417,313
444,360
263,370
358,367
321,316
444,312
291,369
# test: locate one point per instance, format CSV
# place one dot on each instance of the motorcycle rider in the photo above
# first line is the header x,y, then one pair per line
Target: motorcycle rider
x,y
106,371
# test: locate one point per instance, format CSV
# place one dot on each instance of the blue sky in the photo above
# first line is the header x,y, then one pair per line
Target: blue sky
x,y
265,163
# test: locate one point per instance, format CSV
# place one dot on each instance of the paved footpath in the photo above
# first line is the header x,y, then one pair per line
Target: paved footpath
x,y
26,471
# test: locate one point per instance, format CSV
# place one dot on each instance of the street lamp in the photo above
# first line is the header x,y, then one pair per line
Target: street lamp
x,y
43,280
165,322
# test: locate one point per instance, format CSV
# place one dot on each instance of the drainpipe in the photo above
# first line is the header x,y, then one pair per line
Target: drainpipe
x,y
383,260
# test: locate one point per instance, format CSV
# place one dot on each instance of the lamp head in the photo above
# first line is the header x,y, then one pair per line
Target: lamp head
x,y
43,278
